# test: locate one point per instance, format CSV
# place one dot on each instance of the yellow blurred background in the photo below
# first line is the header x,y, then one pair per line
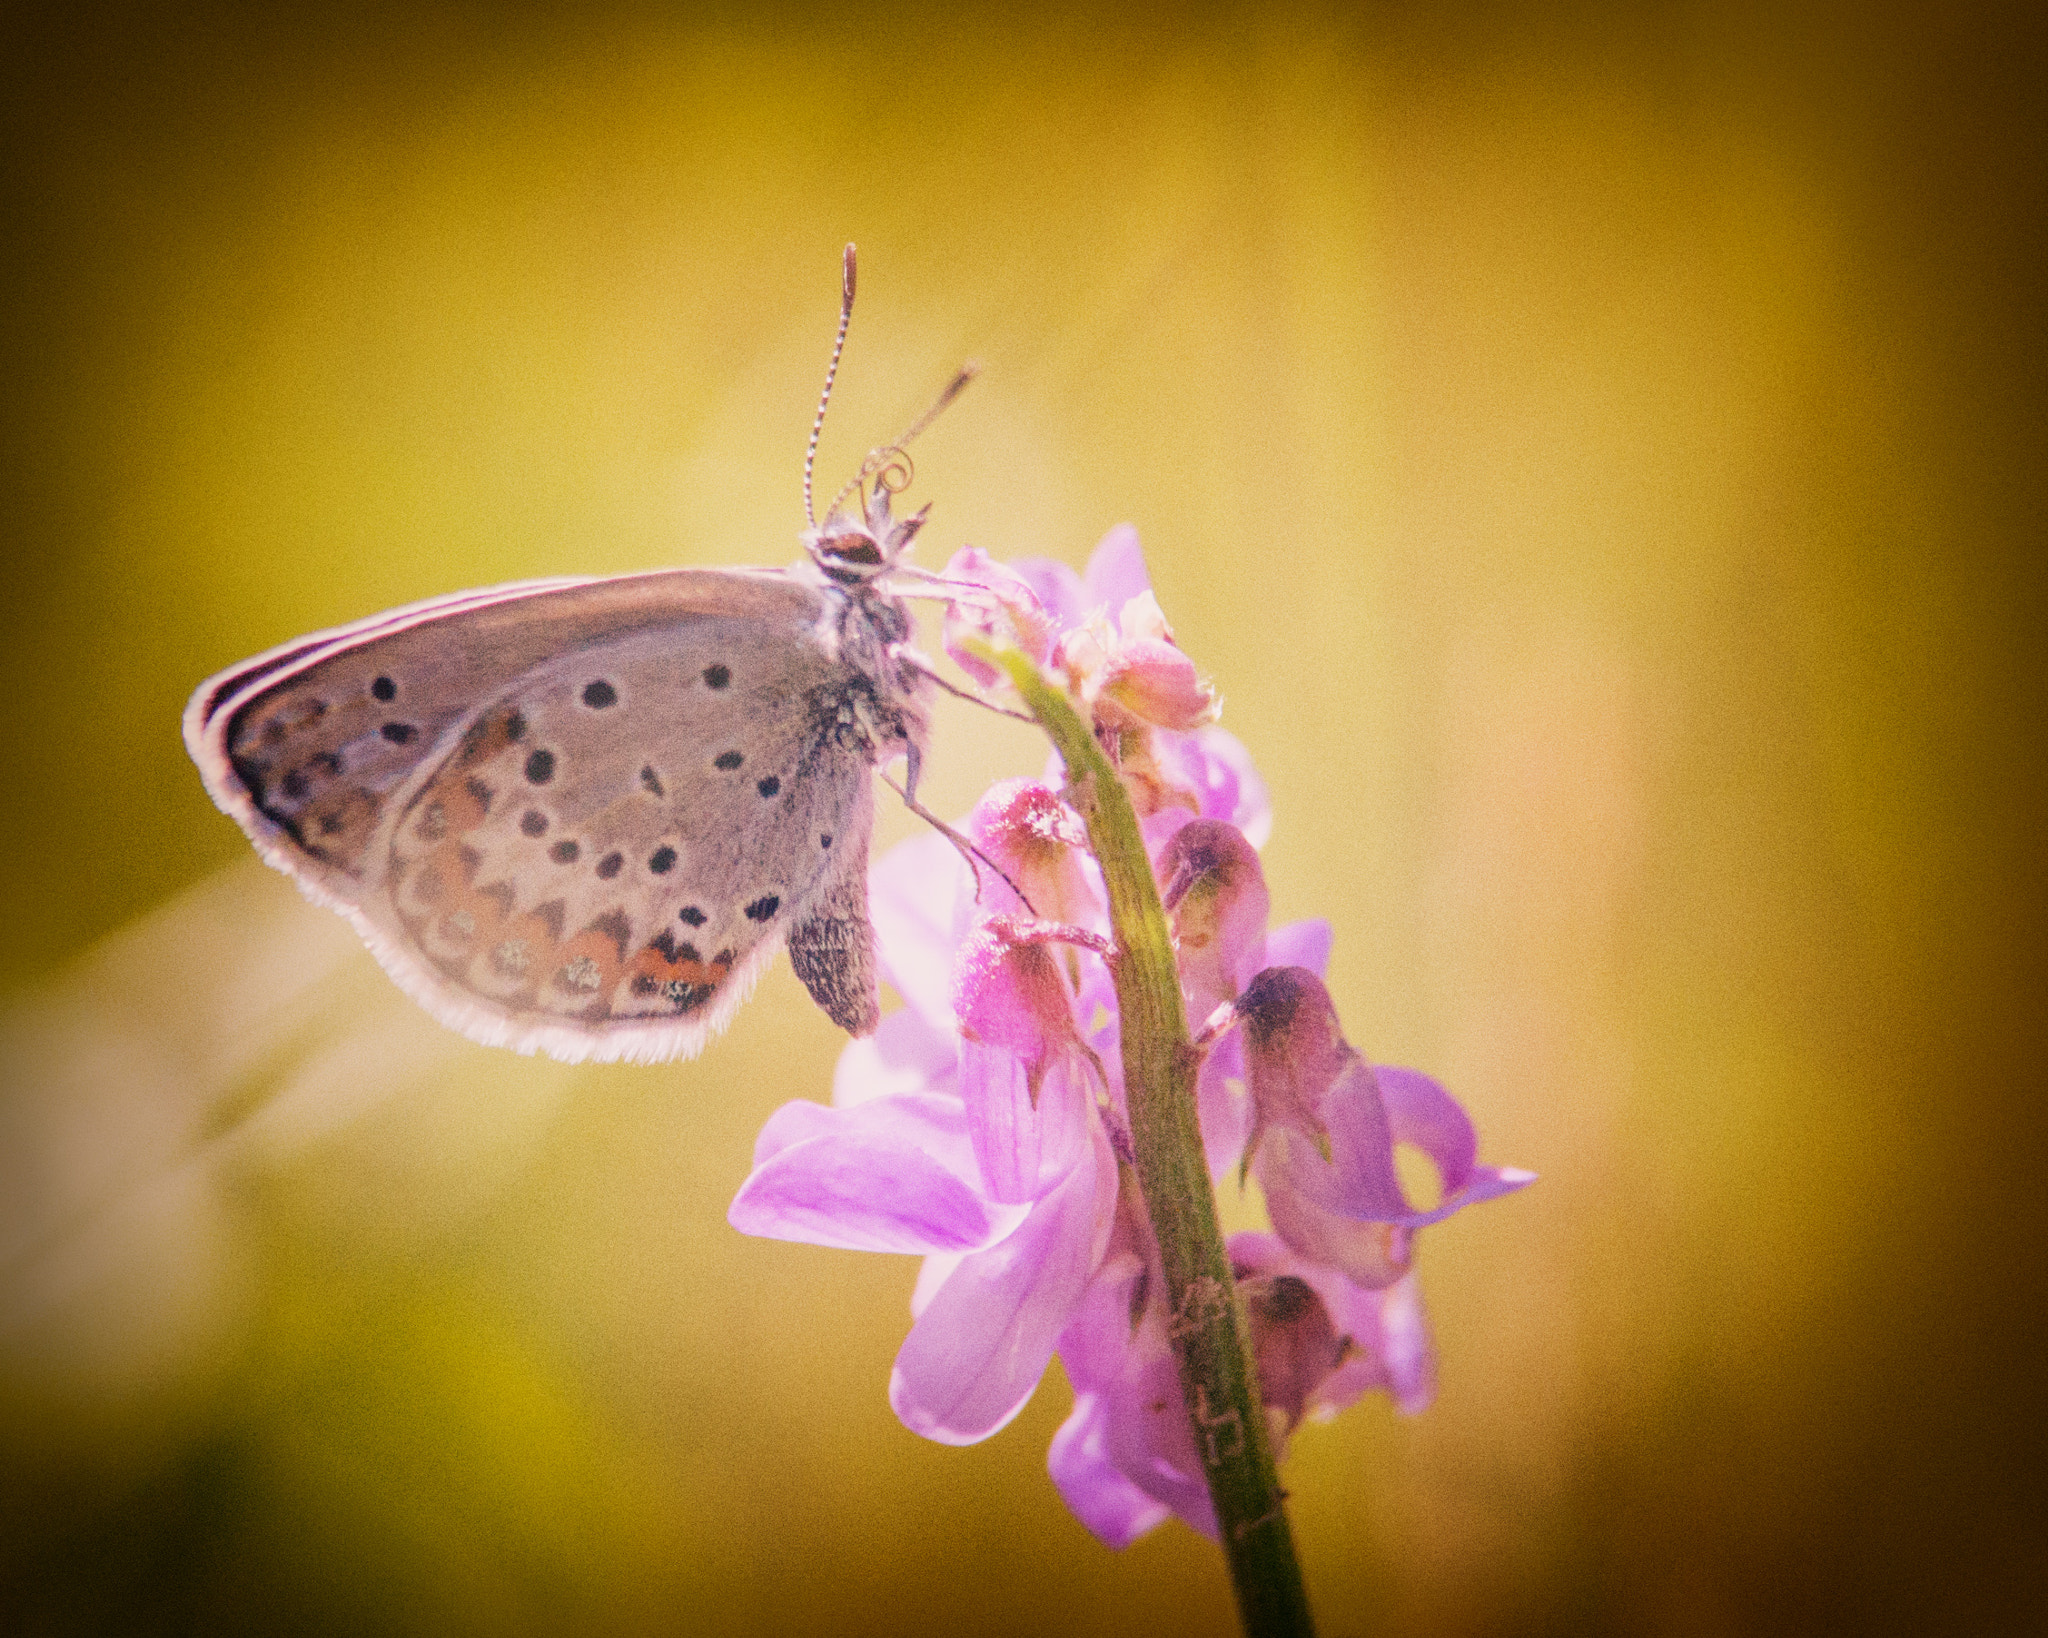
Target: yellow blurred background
x,y
1597,452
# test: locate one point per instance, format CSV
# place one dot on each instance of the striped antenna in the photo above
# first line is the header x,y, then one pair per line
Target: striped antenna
x,y
831,373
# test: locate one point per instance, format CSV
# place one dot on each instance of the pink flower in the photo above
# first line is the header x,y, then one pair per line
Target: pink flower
x,y
1325,1125
981,1125
1105,633
1006,1183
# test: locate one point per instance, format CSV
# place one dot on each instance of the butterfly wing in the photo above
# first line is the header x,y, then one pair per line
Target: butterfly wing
x,y
578,816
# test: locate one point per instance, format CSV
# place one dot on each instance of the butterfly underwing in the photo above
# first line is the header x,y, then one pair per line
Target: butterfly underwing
x,y
581,815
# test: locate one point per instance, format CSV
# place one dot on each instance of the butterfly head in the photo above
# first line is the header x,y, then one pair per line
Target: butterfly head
x,y
852,547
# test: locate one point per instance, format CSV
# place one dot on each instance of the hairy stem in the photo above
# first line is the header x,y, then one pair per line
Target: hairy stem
x,y
1211,1342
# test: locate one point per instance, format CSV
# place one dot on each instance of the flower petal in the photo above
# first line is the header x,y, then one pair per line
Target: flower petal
x,y
1059,589
1116,570
1095,1492
905,1054
1421,1112
1391,1349
891,1174
1222,1106
977,1351
1024,1144
919,898
1300,944
1214,765
1215,893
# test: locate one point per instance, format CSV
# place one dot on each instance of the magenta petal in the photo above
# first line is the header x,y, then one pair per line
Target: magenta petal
x,y
1300,944
977,1351
1116,1510
891,1174
1421,1112
1116,571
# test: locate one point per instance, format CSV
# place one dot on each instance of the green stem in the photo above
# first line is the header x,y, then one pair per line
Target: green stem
x,y
1211,1342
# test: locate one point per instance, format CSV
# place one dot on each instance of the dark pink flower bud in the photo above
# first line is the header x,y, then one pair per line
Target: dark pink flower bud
x,y
1039,842
1294,1343
1149,682
1216,894
1294,1051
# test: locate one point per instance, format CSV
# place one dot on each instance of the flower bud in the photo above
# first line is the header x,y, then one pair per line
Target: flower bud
x,y
1000,607
1039,842
1215,893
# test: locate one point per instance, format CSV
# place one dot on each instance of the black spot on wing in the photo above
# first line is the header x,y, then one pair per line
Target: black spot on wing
x,y
763,908
533,823
399,733
564,852
690,916
384,689
540,767
662,860
727,760
610,865
769,786
599,694
652,781
716,676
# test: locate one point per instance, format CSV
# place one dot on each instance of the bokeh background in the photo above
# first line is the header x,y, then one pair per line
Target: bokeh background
x,y
1597,451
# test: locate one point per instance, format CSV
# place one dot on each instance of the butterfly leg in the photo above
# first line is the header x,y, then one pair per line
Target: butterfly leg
x,y
967,850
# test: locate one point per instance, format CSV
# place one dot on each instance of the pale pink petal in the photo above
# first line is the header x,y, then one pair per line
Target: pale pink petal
x,y
977,1351
905,1054
1143,1432
1214,765
1004,608
920,897
1116,570
933,1272
1222,1106
1150,681
892,1174
1059,589
1148,1435
1024,1145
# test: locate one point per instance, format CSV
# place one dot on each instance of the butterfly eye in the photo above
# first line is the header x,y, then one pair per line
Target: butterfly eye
x,y
852,548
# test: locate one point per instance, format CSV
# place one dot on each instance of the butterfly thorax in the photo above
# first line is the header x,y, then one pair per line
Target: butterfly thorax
x,y
874,707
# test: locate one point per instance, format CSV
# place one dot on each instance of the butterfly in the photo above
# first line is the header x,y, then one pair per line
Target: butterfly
x,y
580,815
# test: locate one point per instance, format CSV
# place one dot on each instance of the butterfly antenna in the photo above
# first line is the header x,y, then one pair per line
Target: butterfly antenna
x,y
889,465
831,374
